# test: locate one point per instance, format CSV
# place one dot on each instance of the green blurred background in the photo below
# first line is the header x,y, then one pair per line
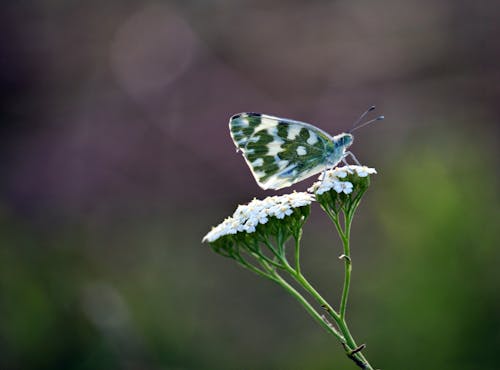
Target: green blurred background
x,y
116,159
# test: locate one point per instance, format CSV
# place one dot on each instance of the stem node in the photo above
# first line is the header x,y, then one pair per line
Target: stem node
x,y
352,355
345,257
357,349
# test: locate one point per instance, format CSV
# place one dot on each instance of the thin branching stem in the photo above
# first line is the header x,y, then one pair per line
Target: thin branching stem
x,y
347,265
298,237
274,265
309,308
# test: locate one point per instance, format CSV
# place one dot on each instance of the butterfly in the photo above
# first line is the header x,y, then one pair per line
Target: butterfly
x,y
281,152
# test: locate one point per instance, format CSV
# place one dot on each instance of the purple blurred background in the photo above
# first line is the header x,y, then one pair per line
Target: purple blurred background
x,y
116,159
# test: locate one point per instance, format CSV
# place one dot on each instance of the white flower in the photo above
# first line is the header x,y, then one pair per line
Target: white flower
x,y
247,217
331,179
338,186
346,187
225,228
299,199
250,224
280,211
340,172
262,217
364,171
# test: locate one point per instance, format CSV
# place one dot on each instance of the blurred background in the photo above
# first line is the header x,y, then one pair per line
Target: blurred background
x,y
116,159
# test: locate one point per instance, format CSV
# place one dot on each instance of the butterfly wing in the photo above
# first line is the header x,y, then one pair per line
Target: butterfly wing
x,y
279,151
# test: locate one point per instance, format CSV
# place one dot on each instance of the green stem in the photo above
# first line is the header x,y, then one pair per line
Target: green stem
x,y
341,331
310,289
259,255
309,308
251,267
348,341
298,237
277,255
345,233
350,345
347,265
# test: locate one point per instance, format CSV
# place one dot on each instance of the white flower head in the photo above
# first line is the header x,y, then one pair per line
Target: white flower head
x,y
364,171
332,179
247,217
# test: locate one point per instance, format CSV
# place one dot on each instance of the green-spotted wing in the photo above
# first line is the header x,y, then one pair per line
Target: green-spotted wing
x,y
281,152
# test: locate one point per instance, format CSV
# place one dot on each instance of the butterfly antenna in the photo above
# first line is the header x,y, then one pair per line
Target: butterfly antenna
x,y
379,118
362,116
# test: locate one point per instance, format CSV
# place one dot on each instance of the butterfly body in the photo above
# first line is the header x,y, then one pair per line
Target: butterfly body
x,y
281,152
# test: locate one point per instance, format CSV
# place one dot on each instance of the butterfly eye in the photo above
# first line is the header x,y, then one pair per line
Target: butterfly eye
x,y
348,139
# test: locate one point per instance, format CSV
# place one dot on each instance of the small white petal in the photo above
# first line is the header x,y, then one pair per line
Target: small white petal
x,y
337,186
347,187
340,172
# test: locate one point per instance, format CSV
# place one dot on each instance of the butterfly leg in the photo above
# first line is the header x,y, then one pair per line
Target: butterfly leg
x,y
323,177
352,156
346,164
346,154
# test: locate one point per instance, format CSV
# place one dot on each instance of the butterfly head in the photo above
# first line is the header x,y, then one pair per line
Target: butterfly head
x,y
343,140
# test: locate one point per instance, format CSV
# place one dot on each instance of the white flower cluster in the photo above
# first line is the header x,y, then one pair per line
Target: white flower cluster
x,y
247,217
331,179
